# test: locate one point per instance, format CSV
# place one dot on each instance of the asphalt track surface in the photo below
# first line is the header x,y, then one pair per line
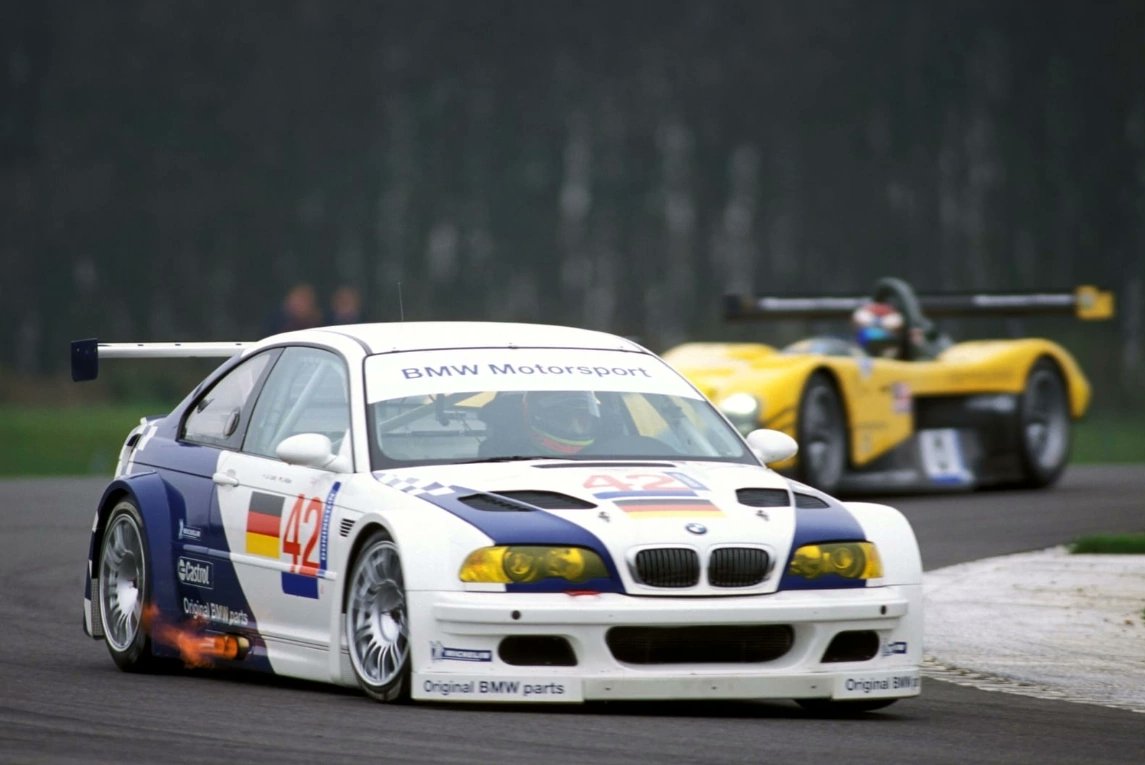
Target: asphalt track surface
x,y
63,701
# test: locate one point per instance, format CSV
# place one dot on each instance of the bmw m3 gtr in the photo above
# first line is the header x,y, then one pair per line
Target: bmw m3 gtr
x,y
494,513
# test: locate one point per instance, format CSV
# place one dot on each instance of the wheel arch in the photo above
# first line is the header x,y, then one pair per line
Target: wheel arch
x,y
1077,388
149,493
364,533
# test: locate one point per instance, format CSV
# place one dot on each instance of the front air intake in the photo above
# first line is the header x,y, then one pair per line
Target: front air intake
x,y
536,651
853,645
716,644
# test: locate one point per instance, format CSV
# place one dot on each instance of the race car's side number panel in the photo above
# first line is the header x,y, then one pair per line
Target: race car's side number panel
x,y
300,536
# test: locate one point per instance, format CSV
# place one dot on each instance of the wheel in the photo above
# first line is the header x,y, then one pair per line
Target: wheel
x,y
124,589
1044,425
821,432
377,622
830,708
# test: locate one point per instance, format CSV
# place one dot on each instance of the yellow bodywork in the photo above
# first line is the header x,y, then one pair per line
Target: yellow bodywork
x,y
877,393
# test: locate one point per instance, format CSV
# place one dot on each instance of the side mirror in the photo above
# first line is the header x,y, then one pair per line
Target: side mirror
x,y
311,450
771,445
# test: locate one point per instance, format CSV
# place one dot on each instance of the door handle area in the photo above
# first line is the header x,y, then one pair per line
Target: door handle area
x,y
225,479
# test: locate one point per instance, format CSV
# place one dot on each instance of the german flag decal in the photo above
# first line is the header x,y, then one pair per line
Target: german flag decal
x,y
669,508
263,520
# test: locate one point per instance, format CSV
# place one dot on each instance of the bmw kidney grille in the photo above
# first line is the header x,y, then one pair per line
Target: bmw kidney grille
x,y
677,567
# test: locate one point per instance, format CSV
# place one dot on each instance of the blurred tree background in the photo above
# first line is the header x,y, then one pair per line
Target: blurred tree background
x,y
169,168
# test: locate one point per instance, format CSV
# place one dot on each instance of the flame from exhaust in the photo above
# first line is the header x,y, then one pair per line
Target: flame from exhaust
x,y
195,648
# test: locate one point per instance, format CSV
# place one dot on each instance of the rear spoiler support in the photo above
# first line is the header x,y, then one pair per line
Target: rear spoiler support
x,y
87,353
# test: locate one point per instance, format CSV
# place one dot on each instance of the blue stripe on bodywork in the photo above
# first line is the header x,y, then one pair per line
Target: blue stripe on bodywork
x,y
525,527
532,527
833,523
301,585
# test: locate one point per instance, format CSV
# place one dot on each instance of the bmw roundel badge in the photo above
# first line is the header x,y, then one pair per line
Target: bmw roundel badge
x,y
697,528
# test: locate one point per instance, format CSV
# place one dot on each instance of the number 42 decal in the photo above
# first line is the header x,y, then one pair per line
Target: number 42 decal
x,y
304,539
299,538
667,483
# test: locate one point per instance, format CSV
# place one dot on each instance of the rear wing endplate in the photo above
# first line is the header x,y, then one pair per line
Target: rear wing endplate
x,y
1086,302
87,353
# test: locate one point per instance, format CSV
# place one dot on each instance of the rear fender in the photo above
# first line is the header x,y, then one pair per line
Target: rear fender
x,y
1002,366
150,494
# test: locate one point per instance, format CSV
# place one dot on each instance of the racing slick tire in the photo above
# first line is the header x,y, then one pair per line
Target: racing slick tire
x,y
377,620
821,432
124,590
830,708
1043,425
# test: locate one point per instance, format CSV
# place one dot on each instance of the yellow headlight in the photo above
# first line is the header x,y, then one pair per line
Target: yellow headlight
x,y
531,563
851,560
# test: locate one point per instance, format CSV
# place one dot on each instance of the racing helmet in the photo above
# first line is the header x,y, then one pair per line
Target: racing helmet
x,y
563,422
879,328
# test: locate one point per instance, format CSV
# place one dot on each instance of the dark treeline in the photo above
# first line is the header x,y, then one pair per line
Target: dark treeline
x,y
168,168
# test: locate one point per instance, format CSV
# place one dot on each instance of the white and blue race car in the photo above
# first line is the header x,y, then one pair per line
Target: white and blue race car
x,y
489,512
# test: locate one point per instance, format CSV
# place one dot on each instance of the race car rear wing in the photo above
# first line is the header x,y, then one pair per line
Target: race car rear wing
x,y
1086,302
87,353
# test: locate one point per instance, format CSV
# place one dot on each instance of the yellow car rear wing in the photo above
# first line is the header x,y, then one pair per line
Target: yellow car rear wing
x,y
1085,302
87,353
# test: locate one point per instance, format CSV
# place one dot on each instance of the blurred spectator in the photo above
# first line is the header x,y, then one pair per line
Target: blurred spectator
x,y
299,310
345,306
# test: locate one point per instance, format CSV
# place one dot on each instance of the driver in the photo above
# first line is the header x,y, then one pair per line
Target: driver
x,y
540,422
562,422
879,329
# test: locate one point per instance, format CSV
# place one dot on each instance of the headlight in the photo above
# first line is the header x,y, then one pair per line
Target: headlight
x,y
850,560
743,409
519,564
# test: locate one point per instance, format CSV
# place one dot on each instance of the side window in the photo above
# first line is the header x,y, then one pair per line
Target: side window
x,y
217,416
306,392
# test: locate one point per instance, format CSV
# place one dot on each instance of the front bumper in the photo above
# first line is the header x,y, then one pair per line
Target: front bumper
x,y
458,634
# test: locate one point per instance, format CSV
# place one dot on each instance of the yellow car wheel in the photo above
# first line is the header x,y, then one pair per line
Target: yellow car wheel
x,y
1044,425
821,432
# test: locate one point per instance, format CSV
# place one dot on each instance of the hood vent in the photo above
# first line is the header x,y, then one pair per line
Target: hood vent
x,y
494,503
808,501
764,497
548,500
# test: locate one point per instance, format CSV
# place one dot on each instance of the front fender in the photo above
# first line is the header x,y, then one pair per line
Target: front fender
x,y
891,532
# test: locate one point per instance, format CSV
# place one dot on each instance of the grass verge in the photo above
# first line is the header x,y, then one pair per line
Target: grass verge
x,y
85,439
67,440
1116,544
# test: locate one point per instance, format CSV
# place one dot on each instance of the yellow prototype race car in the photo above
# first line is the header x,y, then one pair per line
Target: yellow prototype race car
x,y
916,412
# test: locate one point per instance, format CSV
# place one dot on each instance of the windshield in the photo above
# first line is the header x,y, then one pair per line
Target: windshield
x,y
538,403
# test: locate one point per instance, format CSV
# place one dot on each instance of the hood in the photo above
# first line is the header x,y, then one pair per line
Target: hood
x,y
619,508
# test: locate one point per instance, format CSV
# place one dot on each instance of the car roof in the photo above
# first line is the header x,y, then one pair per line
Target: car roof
x,y
390,337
